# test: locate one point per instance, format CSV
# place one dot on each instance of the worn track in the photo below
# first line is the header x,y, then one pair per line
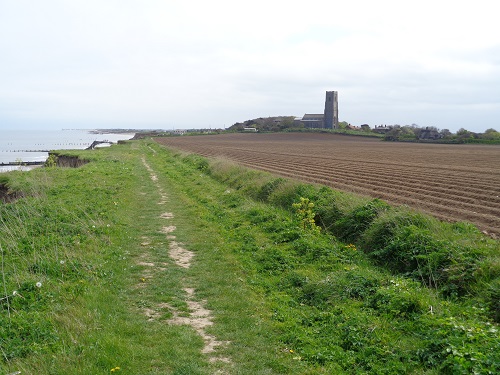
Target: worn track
x,y
451,182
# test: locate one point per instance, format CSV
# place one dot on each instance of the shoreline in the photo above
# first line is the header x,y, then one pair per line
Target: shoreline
x,y
20,147
22,168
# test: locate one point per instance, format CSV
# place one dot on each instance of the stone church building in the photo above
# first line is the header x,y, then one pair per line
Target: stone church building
x,y
329,119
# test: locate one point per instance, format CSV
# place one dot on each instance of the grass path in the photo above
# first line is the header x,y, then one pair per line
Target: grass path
x,y
199,317
211,298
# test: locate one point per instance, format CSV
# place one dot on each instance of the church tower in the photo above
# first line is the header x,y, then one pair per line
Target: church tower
x,y
331,117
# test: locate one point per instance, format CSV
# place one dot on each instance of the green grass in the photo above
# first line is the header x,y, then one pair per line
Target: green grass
x,y
378,290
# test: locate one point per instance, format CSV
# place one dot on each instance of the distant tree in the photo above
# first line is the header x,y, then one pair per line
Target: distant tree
x,y
288,122
446,133
463,135
417,131
343,124
394,134
407,132
490,134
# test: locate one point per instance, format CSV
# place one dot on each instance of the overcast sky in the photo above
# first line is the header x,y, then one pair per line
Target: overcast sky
x,y
195,64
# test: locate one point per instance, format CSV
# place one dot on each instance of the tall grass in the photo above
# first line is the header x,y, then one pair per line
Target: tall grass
x,y
42,248
456,259
398,270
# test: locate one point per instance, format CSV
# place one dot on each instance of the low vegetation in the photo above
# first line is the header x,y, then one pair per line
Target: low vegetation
x,y
400,133
414,133
300,279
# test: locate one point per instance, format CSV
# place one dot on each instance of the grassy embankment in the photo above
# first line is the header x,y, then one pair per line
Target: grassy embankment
x,y
347,285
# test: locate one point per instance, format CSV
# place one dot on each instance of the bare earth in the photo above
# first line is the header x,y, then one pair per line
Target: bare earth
x,y
451,182
199,318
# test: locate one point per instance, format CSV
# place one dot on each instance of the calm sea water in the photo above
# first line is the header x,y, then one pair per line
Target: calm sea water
x,y
15,144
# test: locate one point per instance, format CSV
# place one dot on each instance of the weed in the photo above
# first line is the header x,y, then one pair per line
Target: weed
x,y
305,214
51,161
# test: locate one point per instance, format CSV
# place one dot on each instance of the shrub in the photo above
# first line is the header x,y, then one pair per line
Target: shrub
x,y
289,192
268,188
272,260
459,346
305,214
399,298
312,246
437,263
332,205
352,225
357,284
385,226
51,161
492,297
197,161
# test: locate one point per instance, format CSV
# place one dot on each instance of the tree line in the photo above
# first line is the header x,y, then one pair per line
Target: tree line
x,y
431,133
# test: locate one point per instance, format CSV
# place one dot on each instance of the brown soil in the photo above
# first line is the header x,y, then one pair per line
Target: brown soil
x,y
451,182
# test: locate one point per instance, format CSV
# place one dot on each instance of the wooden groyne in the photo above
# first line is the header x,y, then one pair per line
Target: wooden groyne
x,y
21,163
96,143
27,151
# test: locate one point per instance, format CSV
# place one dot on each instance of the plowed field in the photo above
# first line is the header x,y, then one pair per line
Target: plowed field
x,y
451,182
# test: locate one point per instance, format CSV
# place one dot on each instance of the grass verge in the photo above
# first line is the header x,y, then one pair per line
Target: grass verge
x,y
376,290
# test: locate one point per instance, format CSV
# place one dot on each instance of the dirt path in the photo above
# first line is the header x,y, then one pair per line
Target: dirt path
x,y
200,318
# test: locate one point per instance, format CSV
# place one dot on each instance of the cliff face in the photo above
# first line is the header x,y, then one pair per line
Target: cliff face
x,y
69,161
7,195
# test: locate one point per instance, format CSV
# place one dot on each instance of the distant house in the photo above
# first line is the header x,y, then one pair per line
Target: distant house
x,y
382,129
429,133
250,130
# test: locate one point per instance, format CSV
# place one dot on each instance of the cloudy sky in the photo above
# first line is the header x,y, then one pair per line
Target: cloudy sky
x,y
197,63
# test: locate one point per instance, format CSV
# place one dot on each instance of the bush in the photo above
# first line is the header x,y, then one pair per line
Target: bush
x,y
305,215
352,225
268,188
331,206
311,246
289,192
360,284
384,227
51,161
356,284
197,161
492,297
436,263
459,346
399,298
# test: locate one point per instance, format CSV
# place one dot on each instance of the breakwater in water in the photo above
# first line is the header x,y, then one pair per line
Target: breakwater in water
x,y
27,148
22,163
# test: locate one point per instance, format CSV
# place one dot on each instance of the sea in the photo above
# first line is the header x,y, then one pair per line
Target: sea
x,y
18,146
